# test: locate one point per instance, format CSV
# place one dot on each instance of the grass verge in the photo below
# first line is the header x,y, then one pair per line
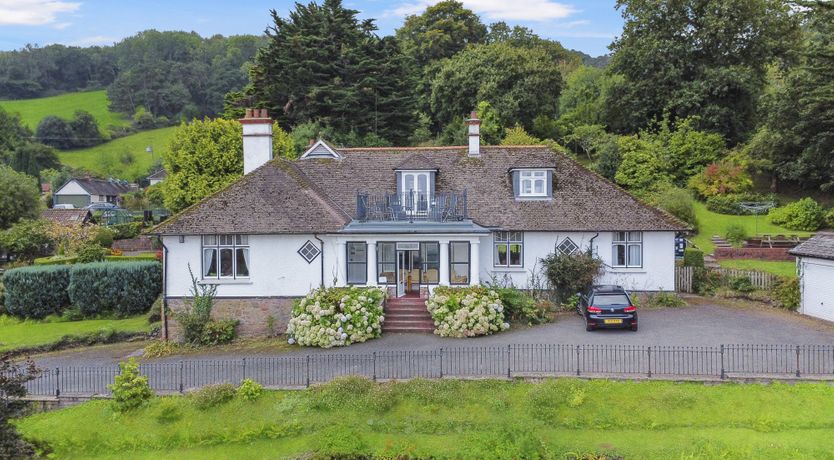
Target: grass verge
x,y
711,223
125,157
355,418
18,334
777,267
32,111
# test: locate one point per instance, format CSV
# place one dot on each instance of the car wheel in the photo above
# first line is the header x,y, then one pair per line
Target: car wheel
x,y
634,328
588,327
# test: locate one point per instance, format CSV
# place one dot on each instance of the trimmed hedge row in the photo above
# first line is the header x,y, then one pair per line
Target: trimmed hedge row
x,y
74,259
124,288
35,292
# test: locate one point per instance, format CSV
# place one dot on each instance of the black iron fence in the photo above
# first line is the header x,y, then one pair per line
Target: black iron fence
x,y
544,360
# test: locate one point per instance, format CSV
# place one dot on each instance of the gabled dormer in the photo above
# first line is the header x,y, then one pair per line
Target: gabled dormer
x,y
532,183
416,176
321,150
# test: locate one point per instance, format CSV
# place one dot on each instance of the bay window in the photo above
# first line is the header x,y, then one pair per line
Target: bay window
x,y
627,249
225,256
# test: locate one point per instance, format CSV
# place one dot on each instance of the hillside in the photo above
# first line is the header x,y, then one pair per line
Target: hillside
x,y
32,111
124,158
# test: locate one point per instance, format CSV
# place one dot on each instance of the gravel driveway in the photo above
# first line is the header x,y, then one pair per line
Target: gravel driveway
x,y
701,324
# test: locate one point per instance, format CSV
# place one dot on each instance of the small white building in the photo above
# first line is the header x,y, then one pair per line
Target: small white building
x,y
80,192
815,261
157,177
407,219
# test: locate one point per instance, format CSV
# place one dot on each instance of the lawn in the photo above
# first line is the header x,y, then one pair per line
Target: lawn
x,y
32,111
16,333
711,223
777,267
355,418
124,158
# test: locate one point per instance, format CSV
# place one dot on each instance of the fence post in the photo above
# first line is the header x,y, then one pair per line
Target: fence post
x,y
649,353
723,375
57,382
182,387
577,360
509,360
374,366
244,370
797,361
308,371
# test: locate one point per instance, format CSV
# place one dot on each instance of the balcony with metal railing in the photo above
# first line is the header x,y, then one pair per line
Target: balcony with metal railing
x,y
411,207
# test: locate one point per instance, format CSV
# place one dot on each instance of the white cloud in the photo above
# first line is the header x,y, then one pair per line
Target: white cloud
x,y
93,40
33,12
517,10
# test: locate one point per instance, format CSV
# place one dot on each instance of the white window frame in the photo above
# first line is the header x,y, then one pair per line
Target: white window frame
x,y
532,177
414,192
507,240
216,243
626,240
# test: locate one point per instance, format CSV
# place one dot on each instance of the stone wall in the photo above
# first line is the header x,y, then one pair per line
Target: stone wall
x,y
754,253
252,312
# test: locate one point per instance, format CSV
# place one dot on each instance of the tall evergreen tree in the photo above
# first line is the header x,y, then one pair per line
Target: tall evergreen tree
x,y
323,64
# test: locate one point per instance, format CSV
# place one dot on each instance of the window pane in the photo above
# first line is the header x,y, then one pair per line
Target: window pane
x,y
459,252
226,262
423,183
526,174
242,240
539,187
619,236
385,253
501,236
515,255
516,237
635,254
209,263
619,255
242,262
409,182
459,274
635,236
501,255
538,173
430,252
209,240
356,252
387,273
526,188
357,273
430,273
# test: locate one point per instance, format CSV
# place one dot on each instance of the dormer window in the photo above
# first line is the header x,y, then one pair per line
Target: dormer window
x,y
415,190
533,183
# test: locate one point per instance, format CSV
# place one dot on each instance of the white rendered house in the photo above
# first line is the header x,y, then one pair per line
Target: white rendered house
x,y
408,219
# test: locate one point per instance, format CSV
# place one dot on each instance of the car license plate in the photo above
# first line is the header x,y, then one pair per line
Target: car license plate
x,y
613,321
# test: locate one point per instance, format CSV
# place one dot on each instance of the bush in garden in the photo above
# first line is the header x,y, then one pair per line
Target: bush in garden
x,y
705,281
126,288
466,311
213,395
721,178
665,299
731,204
520,306
36,291
736,235
13,378
741,284
571,273
168,411
91,253
335,317
249,390
693,258
829,218
196,312
785,292
130,389
126,231
104,237
28,239
218,332
804,215
677,202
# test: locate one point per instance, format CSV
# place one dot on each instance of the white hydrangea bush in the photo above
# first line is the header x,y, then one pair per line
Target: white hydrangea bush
x,y
337,317
466,311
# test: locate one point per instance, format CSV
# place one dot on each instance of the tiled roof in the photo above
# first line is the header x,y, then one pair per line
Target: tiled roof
x,y
319,195
102,187
820,246
158,174
416,162
275,198
67,216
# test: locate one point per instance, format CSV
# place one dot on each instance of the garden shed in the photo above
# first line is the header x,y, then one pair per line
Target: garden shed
x,y
815,259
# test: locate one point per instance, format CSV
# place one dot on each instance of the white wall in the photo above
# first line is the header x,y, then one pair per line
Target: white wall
x,y
71,188
657,273
817,289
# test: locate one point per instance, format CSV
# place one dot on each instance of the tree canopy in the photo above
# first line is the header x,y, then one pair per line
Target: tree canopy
x,y
19,197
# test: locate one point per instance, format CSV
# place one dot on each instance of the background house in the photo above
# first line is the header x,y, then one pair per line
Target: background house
x,y
815,261
67,216
157,177
81,192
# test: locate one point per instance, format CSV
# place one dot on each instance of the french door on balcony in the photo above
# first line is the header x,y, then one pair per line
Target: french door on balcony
x,y
415,188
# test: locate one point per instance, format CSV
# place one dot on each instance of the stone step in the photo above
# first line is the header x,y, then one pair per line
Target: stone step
x,y
410,330
406,308
419,323
422,303
407,315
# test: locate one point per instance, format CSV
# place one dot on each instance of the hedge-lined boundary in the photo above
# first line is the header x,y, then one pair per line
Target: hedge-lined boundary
x,y
72,260
122,288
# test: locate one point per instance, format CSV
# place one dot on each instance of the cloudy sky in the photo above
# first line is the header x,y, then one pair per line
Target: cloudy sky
x,y
585,25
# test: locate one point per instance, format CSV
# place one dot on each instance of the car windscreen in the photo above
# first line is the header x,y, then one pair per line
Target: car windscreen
x,y
604,300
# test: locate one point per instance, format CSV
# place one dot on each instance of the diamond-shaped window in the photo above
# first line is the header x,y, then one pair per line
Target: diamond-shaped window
x,y
567,246
309,251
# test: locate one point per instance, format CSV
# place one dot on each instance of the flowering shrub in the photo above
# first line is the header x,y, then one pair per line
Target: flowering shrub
x,y
336,317
466,312
721,179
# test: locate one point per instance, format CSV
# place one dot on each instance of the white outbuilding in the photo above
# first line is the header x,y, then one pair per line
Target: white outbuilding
x,y
815,260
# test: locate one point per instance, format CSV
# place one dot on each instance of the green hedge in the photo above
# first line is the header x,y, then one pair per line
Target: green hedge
x,y
125,288
37,291
71,260
141,257
53,260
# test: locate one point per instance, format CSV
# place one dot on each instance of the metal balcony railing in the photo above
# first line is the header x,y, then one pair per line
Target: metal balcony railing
x,y
411,206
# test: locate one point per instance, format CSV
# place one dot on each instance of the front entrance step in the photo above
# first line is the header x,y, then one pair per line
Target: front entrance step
x,y
407,314
400,325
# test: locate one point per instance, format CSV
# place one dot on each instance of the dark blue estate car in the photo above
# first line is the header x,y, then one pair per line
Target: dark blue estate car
x,y
606,307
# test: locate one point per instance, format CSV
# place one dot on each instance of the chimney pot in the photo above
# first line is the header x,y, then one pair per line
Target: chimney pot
x,y
264,113
248,113
474,128
257,139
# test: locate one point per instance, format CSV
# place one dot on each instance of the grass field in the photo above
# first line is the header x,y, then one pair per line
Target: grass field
x,y
710,223
355,418
32,111
15,333
777,267
124,158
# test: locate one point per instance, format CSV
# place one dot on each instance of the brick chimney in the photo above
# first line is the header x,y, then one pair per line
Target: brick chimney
x,y
474,127
257,139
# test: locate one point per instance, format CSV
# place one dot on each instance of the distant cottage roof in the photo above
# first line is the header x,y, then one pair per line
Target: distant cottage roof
x,y
101,186
159,174
820,246
67,216
319,194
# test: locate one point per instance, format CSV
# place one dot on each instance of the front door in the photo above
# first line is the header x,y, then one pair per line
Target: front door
x,y
401,272
408,272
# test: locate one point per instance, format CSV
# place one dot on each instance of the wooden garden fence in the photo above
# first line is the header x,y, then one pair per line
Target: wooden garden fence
x,y
684,277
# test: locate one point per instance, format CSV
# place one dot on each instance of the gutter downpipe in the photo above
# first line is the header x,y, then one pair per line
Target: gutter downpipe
x,y
591,243
321,242
163,313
